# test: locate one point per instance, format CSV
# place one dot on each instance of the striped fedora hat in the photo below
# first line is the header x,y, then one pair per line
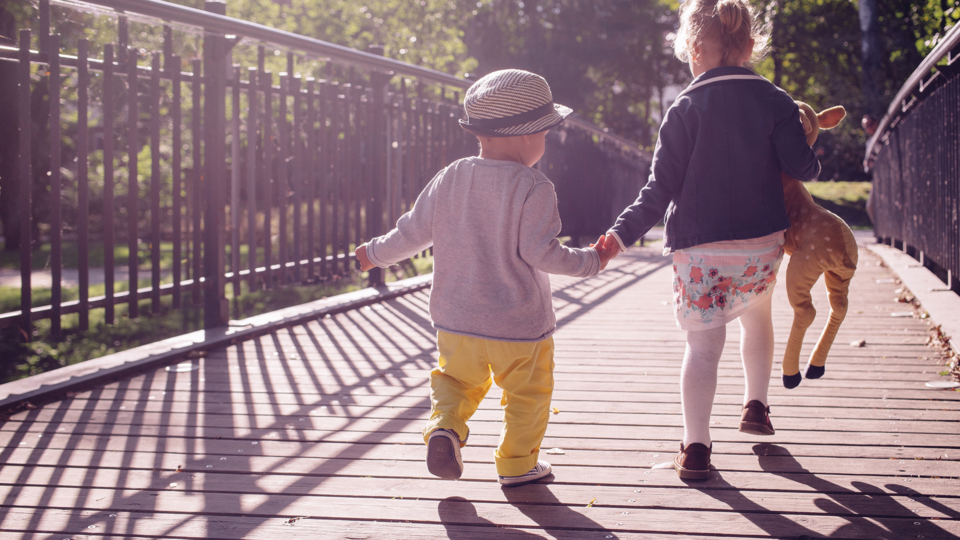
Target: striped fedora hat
x,y
511,102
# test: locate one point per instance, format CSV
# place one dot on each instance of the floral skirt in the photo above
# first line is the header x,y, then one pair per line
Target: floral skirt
x,y
715,283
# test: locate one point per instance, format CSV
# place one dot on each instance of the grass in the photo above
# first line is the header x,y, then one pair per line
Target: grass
x,y
846,199
40,256
851,193
43,353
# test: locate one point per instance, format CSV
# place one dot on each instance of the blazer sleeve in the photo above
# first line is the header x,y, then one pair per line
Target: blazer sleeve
x,y
670,160
796,157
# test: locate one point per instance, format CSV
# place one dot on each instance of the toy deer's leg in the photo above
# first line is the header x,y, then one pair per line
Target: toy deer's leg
x,y
800,280
838,285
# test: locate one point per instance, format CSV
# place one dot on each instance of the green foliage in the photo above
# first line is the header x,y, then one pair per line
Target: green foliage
x,y
846,199
840,192
43,353
427,33
607,59
816,57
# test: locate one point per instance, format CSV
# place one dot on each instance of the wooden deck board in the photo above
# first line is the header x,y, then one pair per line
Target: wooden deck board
x,y
314,431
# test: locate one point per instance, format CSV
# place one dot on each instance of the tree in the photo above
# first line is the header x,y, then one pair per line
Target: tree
x,y
816,56
607,59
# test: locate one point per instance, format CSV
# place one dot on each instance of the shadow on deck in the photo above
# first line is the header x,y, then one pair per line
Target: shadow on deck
x,y
314,431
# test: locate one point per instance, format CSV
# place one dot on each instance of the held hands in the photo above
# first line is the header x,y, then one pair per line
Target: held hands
x,y
361,254
607,248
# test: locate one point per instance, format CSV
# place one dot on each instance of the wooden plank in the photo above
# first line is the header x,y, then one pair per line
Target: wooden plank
x,y
29,437
322,422
111,399
885,502
515,514
186,390
720,433
271,527
780,459
729,416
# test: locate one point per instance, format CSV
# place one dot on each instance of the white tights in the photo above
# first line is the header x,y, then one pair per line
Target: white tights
x,y
698,376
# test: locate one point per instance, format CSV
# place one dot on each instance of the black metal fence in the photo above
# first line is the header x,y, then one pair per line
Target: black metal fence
x,y
915,160
250,179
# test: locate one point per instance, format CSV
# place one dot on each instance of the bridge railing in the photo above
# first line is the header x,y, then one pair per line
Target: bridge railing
x,y
215,174
915,159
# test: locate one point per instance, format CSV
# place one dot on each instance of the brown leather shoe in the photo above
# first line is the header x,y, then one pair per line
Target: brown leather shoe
x,y
756,419
693,461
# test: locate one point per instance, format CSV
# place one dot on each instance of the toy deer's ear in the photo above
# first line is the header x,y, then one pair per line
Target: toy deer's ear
x,y
831,117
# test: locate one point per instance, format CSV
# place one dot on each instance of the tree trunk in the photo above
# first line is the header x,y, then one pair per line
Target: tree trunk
x,y
871,51
773,13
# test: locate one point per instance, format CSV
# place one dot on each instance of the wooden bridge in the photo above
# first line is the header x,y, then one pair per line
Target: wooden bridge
x,y
314,432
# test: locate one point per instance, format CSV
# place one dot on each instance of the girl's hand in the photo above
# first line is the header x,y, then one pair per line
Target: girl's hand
x,y
361,254
613,247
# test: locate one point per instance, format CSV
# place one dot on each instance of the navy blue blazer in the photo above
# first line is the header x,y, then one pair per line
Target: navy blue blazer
x,y
716,168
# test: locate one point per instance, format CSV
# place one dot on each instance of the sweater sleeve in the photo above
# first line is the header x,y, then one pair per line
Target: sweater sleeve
x,y
796,157
538,244
413,233
670,159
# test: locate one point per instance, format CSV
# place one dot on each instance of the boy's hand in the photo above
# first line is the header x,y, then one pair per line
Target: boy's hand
x,y
602,251
361,254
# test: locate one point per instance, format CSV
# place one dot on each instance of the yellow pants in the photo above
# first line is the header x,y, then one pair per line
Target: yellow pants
x,y
525,373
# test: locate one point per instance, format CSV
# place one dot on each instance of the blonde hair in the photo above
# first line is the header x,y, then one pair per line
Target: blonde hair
x,y
726,24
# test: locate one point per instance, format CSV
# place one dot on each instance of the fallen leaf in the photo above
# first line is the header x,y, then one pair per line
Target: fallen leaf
x,y
590,504
556,410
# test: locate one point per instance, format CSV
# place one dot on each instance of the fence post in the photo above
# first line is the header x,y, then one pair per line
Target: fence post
x,y
26,181
378,154
215,307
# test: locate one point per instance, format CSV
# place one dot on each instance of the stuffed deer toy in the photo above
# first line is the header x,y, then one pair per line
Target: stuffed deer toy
x,y
819,243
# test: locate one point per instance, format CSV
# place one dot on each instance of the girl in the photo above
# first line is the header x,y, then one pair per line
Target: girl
x,y
716,174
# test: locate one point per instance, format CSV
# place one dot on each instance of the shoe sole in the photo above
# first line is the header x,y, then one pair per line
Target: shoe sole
x,y
691,474
756,429
442,459
525,482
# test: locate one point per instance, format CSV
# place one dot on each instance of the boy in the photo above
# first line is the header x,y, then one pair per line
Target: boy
x,y
493,222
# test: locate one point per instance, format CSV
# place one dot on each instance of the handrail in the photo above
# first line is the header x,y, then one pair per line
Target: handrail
x,y
624,143
227,25
222,24
898,105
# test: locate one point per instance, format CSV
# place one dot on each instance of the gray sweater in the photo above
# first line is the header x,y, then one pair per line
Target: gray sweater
x,y
493,226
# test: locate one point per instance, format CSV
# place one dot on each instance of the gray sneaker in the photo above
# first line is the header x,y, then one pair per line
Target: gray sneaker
x,y
541,469
443,454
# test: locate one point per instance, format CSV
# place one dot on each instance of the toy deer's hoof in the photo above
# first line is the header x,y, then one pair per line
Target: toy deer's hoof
x,y
792,381
814,372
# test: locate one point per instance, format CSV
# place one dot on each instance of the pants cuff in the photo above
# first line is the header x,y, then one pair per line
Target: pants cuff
x,y
442,422
516,466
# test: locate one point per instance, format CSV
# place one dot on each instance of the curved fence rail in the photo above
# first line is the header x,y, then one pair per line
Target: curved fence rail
x,y
915,160
211,174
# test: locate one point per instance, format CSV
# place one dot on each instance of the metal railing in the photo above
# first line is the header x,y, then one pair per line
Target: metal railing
x,y
253,180
915,159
